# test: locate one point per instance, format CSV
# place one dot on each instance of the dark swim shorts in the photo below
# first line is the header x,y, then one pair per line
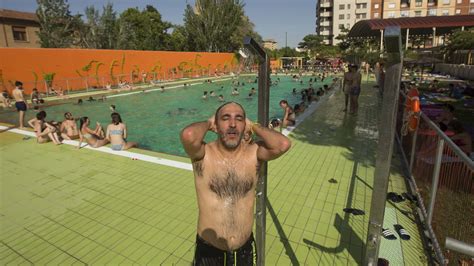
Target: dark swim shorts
x,y
206,254
20,106
355,90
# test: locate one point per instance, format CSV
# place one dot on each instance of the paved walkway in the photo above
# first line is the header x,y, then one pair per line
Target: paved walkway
x,y
60,205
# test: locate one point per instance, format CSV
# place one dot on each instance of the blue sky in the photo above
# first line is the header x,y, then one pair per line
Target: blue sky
x,y
272,18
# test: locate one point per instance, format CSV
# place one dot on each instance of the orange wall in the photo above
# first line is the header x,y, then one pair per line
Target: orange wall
x,y
22,63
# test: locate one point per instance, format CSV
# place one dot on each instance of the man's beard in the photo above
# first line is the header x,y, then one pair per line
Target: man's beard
x,y
231,144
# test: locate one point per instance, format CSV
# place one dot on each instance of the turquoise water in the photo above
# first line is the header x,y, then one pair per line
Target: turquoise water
x,y
155,119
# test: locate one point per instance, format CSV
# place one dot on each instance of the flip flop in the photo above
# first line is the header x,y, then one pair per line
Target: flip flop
x,y
332,180
410,197
354,211
402,232
26,138
394,197
388,234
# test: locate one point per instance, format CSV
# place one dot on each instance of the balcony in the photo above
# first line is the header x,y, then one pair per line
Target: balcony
x,y
405,4
432,3
326,4
325,14
325,23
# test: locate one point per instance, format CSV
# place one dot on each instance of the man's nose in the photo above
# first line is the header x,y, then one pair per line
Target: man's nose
x,y
232,123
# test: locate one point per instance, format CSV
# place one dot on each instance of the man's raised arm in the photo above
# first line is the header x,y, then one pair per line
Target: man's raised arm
x,y
273,143
193,135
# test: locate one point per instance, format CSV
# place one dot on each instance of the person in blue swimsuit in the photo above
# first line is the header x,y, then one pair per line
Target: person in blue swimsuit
x,y
117,133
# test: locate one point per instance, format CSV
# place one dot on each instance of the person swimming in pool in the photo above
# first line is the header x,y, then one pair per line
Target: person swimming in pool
x,y
95,138
117,133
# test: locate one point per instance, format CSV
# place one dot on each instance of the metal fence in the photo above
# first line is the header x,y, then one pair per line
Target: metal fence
x,y
93,83
442,178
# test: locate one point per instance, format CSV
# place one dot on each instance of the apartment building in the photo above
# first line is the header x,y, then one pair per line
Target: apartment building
x,y
18,29
270,44
333,16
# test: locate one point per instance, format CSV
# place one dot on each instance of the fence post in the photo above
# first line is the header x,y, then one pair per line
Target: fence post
x,y
413,146
434,184
47,89
387,128
67,86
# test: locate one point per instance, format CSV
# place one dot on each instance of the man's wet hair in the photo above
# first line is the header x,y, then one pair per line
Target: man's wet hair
x,y
41,115
18,83
222,106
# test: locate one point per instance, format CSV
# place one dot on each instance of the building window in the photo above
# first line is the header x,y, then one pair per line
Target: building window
x,y
459,1
19,34
348,26
458,11
341,7
376,15
341,16
348,16
418,3
471,11
445,12
348,6
417,13
404,13
376,6
446,2
341,26
432,12
391,14
472,1
391,5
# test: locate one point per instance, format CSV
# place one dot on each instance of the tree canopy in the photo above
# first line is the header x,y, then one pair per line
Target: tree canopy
x,y
209,25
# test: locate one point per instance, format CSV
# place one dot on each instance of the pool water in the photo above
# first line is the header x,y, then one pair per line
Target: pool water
x,y
154,119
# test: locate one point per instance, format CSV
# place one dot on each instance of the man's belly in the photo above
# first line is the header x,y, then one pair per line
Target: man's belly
x,y
224,225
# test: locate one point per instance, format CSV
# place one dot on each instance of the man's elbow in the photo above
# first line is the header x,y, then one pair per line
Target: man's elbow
x,y
285,145
187,135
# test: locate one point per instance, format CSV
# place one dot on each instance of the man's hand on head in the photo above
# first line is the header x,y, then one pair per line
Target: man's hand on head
x,y
212,124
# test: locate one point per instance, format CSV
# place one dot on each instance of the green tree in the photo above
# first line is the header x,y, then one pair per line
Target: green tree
x,y
143,30
211,25
58,26
178,39
461,40
108,26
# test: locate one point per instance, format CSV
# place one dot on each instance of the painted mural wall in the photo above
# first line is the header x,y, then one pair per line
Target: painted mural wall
x,y
74,69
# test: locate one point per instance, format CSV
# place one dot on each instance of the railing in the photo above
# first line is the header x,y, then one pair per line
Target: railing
x,y
71,86
442,178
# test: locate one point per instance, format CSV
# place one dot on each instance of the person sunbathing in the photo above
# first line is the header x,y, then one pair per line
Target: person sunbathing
x,y
43,130
68,127
95,138
117,133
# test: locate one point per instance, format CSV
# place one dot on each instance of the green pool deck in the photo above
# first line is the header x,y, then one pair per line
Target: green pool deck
x,y
61,205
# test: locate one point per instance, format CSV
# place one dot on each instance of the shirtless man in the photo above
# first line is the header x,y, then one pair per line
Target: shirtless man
x,y
351,88
68,127
20,102
225,175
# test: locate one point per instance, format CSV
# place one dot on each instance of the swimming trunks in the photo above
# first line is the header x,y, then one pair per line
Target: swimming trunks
x,y
116,147
20,106
206,254
355,90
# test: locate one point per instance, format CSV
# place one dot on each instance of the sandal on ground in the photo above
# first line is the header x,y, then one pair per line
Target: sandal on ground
x,y
402,232
354,211
394,197
410,197
388,234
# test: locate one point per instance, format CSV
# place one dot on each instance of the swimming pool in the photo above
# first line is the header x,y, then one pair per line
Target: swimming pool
x,y
154,119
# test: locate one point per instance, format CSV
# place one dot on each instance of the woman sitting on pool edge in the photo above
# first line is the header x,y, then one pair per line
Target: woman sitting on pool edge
x,y
289,117
95,138
117,134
